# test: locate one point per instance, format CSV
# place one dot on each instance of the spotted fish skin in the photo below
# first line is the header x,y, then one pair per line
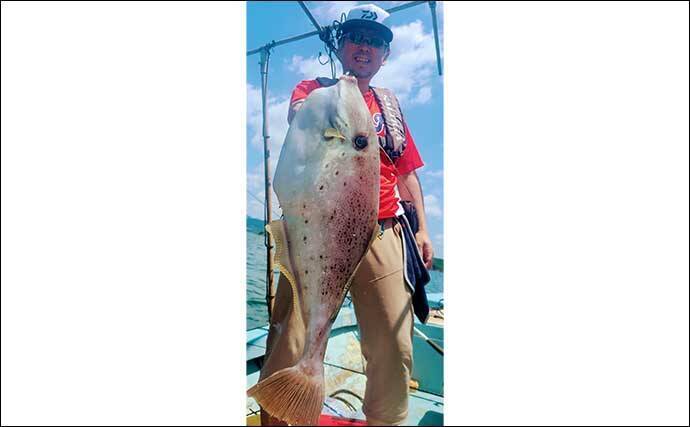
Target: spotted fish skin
x,y
327,183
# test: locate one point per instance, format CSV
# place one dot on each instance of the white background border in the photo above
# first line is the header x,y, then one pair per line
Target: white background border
x,y
123,221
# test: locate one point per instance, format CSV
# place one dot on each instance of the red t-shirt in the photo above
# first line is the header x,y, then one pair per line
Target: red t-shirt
x,y
389,205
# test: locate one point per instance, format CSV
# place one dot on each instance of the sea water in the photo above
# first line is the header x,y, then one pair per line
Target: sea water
x,y
257,314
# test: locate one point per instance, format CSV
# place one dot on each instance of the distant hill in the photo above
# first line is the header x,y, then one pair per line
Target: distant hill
x,y
257,226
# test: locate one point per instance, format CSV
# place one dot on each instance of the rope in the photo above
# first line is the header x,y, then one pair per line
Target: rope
x,y
342,390
277,214
342,399
330,35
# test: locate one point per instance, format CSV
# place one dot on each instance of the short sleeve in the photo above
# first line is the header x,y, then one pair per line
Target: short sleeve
x,y
410,159
303,89
299,94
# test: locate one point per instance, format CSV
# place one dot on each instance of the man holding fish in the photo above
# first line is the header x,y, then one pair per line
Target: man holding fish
x,y
349,237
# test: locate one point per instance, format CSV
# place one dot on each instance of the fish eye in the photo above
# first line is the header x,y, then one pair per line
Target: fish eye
x,y
361,142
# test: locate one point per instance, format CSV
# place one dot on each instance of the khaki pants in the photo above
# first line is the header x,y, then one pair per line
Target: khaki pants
x,y
383,305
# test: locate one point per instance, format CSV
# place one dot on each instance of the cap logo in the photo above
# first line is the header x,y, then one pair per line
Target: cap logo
x,y
368,14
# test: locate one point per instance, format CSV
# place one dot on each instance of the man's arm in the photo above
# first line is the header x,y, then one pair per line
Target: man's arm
x,y
411,189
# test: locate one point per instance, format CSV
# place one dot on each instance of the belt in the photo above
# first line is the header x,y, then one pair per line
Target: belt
x,y
387,223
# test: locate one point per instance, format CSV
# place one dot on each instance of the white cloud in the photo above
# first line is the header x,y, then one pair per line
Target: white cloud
x,y
255,209
407,73
411,65
326,12
432,206
310,68
433,173
255,196
277,108
255,179
390,4
423,96
412,62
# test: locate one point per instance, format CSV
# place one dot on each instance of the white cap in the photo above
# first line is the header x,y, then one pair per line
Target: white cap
x,y
368,16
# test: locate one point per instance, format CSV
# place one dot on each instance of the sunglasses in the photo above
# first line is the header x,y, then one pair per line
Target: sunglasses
x,y
359,39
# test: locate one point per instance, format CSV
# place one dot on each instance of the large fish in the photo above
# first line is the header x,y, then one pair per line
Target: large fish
x,y
327,183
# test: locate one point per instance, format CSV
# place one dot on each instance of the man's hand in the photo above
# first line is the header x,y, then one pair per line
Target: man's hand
x,y
425,248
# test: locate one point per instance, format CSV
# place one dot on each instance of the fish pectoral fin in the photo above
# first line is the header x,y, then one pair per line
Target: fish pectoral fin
x,y
333,133
281,257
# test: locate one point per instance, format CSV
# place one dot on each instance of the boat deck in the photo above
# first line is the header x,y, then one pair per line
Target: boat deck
x,y
344,369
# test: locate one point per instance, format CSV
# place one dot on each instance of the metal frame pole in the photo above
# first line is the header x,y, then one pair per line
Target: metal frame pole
x,y
432,6
324,33
404,6
284,41
270,288
309,15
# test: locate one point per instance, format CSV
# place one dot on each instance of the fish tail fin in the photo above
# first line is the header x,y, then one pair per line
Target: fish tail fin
x,y
292,395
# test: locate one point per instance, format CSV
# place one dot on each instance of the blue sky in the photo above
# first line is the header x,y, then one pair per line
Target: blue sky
x,y
410,72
